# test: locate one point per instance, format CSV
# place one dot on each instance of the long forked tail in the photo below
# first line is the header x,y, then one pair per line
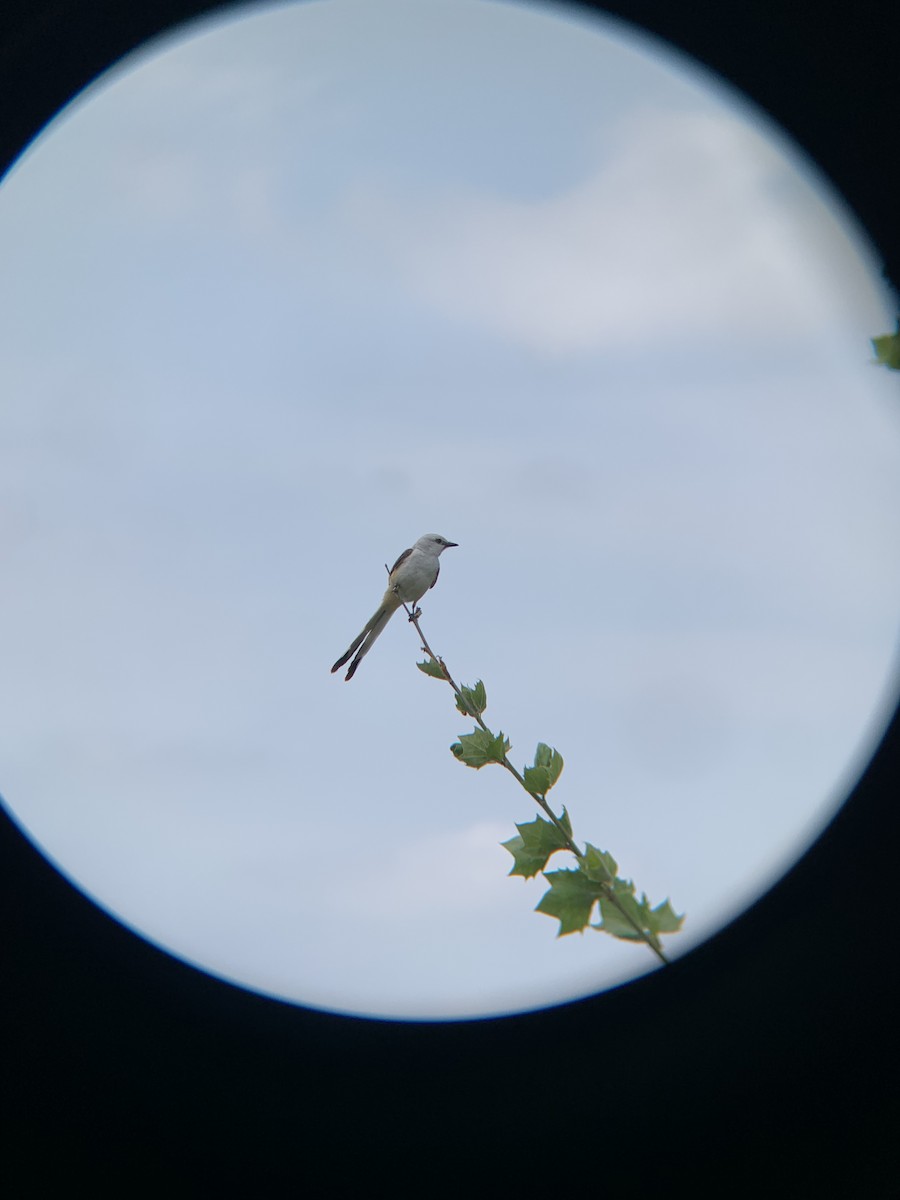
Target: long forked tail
x,y
363,644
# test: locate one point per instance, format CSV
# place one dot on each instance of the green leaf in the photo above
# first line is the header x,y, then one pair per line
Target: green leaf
x,y
542,755
548,764
551,759
887,349
473,700
570,900
613,920
537,780
480,747
537,840
598,865
665,918
430,667
652,921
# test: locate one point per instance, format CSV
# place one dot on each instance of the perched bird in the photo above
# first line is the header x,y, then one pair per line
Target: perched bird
x,y
414,572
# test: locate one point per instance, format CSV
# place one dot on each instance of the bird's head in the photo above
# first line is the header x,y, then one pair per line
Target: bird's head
x,y
434,543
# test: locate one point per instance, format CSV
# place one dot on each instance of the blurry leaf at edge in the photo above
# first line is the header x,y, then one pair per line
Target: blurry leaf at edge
x,y
887,349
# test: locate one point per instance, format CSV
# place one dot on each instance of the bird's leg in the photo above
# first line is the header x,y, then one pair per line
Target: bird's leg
x,y
415,614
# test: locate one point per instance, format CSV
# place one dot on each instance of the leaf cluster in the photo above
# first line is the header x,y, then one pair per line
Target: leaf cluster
x,y
575,893
595,880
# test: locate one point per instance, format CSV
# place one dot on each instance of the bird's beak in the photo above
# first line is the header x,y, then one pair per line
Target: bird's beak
x,y
447,545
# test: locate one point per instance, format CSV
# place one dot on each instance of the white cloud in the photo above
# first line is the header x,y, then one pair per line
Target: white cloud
x,y
421,880
678,234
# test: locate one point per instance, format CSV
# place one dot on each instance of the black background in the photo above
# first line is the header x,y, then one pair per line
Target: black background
x,y
764,1060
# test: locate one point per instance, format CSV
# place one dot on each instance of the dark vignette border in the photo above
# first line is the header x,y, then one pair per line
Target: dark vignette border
x,y
764,1060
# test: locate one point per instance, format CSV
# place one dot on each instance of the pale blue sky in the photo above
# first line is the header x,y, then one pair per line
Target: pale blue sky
x,y
285,293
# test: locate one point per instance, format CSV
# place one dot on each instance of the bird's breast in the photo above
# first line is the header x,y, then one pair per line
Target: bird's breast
x,y
415,578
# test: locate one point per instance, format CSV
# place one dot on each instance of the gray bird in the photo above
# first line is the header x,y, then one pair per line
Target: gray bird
x,y
414,572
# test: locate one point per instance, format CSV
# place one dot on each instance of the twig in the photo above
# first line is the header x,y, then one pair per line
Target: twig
x,y
645,936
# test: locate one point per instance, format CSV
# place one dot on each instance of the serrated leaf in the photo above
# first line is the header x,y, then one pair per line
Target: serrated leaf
x,y
546,756
430,667
570,900
473,700
652,921
887,349
480,747
614,921
524,862
665,918
599,865
537,840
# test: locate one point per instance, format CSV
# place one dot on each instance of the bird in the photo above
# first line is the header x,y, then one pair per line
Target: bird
x,y
414,572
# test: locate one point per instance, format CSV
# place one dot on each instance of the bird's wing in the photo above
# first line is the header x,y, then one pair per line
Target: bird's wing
x,y
436,573
403,557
